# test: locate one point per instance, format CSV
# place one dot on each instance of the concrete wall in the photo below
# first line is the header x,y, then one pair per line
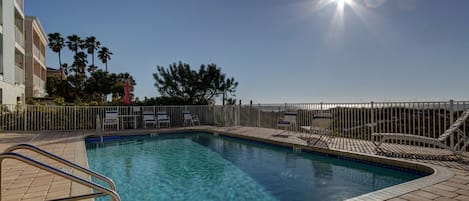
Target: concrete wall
x,y
10,90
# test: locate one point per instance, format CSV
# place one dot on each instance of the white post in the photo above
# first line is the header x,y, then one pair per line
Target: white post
x,y
372,117
75,118
451,120
258,115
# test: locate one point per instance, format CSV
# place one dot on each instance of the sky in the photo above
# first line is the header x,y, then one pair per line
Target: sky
x,y
295,51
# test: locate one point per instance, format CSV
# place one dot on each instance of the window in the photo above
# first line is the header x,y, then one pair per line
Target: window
x,y
1,96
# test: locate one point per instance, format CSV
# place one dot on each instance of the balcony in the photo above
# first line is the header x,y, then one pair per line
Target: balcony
x,y
20,4
37,53
38,83
19,76
19,37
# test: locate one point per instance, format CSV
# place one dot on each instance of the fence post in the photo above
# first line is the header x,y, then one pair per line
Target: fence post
x,y
239,115
372,117
250,113
451,120
258,115
214,118
74,118
25,113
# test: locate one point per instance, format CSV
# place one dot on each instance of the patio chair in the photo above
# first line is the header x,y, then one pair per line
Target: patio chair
x,y
320,125
287,122
163,118
190,120
457,149
149,118
111,118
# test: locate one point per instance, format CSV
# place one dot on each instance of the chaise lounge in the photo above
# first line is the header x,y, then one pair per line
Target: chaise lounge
x,y
457,149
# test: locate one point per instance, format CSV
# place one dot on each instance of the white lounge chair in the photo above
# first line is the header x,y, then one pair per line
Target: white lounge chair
x,y
149,118
190,120
111,118
458,148
163,118
287,122
320,125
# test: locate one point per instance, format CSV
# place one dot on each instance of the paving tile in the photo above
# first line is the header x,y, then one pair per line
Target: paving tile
x,y
425,194
397,199
445,187
456,185
414,197
462,198
463,192
444,199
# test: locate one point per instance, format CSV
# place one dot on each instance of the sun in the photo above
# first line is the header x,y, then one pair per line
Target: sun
x,y
341,4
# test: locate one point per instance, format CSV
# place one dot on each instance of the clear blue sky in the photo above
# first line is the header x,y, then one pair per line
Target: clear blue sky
x,y
283,50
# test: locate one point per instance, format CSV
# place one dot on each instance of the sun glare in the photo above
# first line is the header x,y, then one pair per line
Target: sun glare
x,y
336,27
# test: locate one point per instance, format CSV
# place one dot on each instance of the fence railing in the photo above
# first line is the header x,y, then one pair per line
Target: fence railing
x,y
360,120
19,118
347,120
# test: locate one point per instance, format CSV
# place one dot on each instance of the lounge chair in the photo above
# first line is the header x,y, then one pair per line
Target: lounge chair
x,y
190,120
287,122
111,118
320,125
163,118
458,148
149,118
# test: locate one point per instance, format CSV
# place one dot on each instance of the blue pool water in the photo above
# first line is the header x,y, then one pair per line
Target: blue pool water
x,y
201,166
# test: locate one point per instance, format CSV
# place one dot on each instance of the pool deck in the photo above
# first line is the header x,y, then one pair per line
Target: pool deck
x,y
24,182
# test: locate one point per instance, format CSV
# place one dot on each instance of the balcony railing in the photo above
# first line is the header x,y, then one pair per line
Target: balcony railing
x,y
37,53
19,76
20,4
38,83
19,37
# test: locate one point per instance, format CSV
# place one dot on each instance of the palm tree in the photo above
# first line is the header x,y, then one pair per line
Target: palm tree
x,y
91,44
105,55
56,43
80,62
74,42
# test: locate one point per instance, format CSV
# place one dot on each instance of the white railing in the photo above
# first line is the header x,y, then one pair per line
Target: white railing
x,y
20,4
38,82
346,120
19,75
360,120
19,37
74,118
37,53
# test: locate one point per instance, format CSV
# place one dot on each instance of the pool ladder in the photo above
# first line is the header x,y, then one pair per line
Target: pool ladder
x,y
100,190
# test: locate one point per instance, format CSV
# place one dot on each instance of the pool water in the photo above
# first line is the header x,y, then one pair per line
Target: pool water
x,y
201,166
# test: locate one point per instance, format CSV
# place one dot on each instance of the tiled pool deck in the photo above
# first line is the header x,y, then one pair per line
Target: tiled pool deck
x,y
23,182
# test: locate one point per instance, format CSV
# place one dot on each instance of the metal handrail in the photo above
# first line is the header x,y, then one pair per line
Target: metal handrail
x,y
63,161
102,191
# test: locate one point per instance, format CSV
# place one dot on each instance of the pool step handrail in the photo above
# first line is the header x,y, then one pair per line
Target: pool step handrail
x,y
102,191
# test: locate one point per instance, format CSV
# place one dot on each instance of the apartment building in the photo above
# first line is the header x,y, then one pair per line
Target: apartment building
x,y
35,60
13,51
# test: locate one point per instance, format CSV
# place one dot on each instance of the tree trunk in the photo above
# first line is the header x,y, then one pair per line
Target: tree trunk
x,y
60,66
106,66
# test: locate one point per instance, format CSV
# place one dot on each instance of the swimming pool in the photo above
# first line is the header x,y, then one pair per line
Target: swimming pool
x,y
201,166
